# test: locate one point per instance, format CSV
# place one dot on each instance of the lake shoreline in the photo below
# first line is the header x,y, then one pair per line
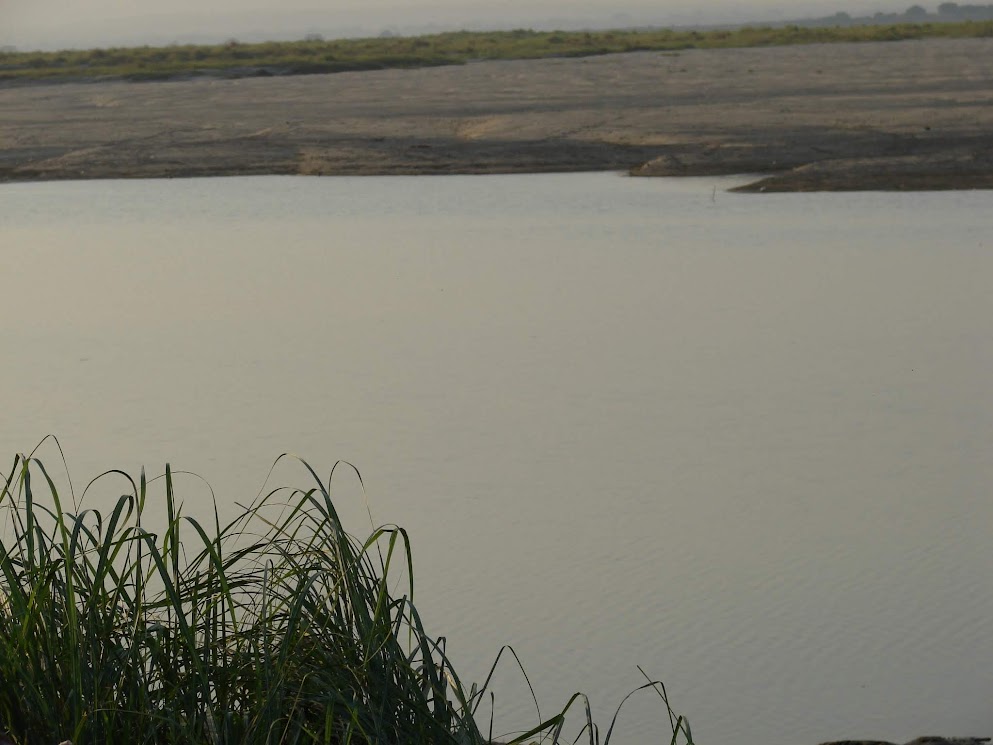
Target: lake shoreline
x,y
908,115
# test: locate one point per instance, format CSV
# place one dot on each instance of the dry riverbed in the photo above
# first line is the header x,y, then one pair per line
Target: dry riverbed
x,y
882,115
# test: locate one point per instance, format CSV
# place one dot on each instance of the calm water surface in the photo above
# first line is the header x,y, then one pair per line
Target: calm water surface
x,y
744,442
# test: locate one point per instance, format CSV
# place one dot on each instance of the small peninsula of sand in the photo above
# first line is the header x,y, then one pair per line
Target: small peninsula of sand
x,y
880,115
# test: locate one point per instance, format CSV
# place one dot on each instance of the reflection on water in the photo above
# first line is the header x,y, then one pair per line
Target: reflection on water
x,y
741,441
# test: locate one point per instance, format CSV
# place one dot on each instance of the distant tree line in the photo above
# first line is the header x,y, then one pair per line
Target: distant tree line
x,y
947,12
956,12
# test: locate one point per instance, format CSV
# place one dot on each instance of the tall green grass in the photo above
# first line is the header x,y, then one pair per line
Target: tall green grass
x,y
276,627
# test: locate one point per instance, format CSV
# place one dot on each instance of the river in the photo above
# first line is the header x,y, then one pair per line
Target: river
x,y
745,442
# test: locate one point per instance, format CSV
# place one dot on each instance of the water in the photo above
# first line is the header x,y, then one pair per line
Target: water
x,y
742,441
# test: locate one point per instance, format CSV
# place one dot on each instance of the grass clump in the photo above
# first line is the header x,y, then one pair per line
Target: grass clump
x,y
276,627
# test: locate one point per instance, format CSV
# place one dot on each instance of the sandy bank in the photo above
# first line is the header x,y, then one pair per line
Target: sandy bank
x,y
898,115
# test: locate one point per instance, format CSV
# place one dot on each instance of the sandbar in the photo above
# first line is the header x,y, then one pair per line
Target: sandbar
x,y
881,115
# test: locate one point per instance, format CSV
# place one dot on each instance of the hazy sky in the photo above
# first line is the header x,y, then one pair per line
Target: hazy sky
x,y
63,23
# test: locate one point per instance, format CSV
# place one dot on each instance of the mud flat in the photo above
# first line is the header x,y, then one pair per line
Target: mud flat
x,y
881,115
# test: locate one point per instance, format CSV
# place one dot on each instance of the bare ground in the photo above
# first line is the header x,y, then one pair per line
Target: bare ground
x,y
886,115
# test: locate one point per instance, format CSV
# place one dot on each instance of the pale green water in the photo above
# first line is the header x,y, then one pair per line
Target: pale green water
x,y
745,442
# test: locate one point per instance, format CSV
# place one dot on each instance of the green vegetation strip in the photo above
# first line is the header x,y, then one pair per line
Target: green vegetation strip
x,y
234,59
278,627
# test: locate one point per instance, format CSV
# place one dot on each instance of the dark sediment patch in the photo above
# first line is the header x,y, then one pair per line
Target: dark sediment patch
x,y
936,172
